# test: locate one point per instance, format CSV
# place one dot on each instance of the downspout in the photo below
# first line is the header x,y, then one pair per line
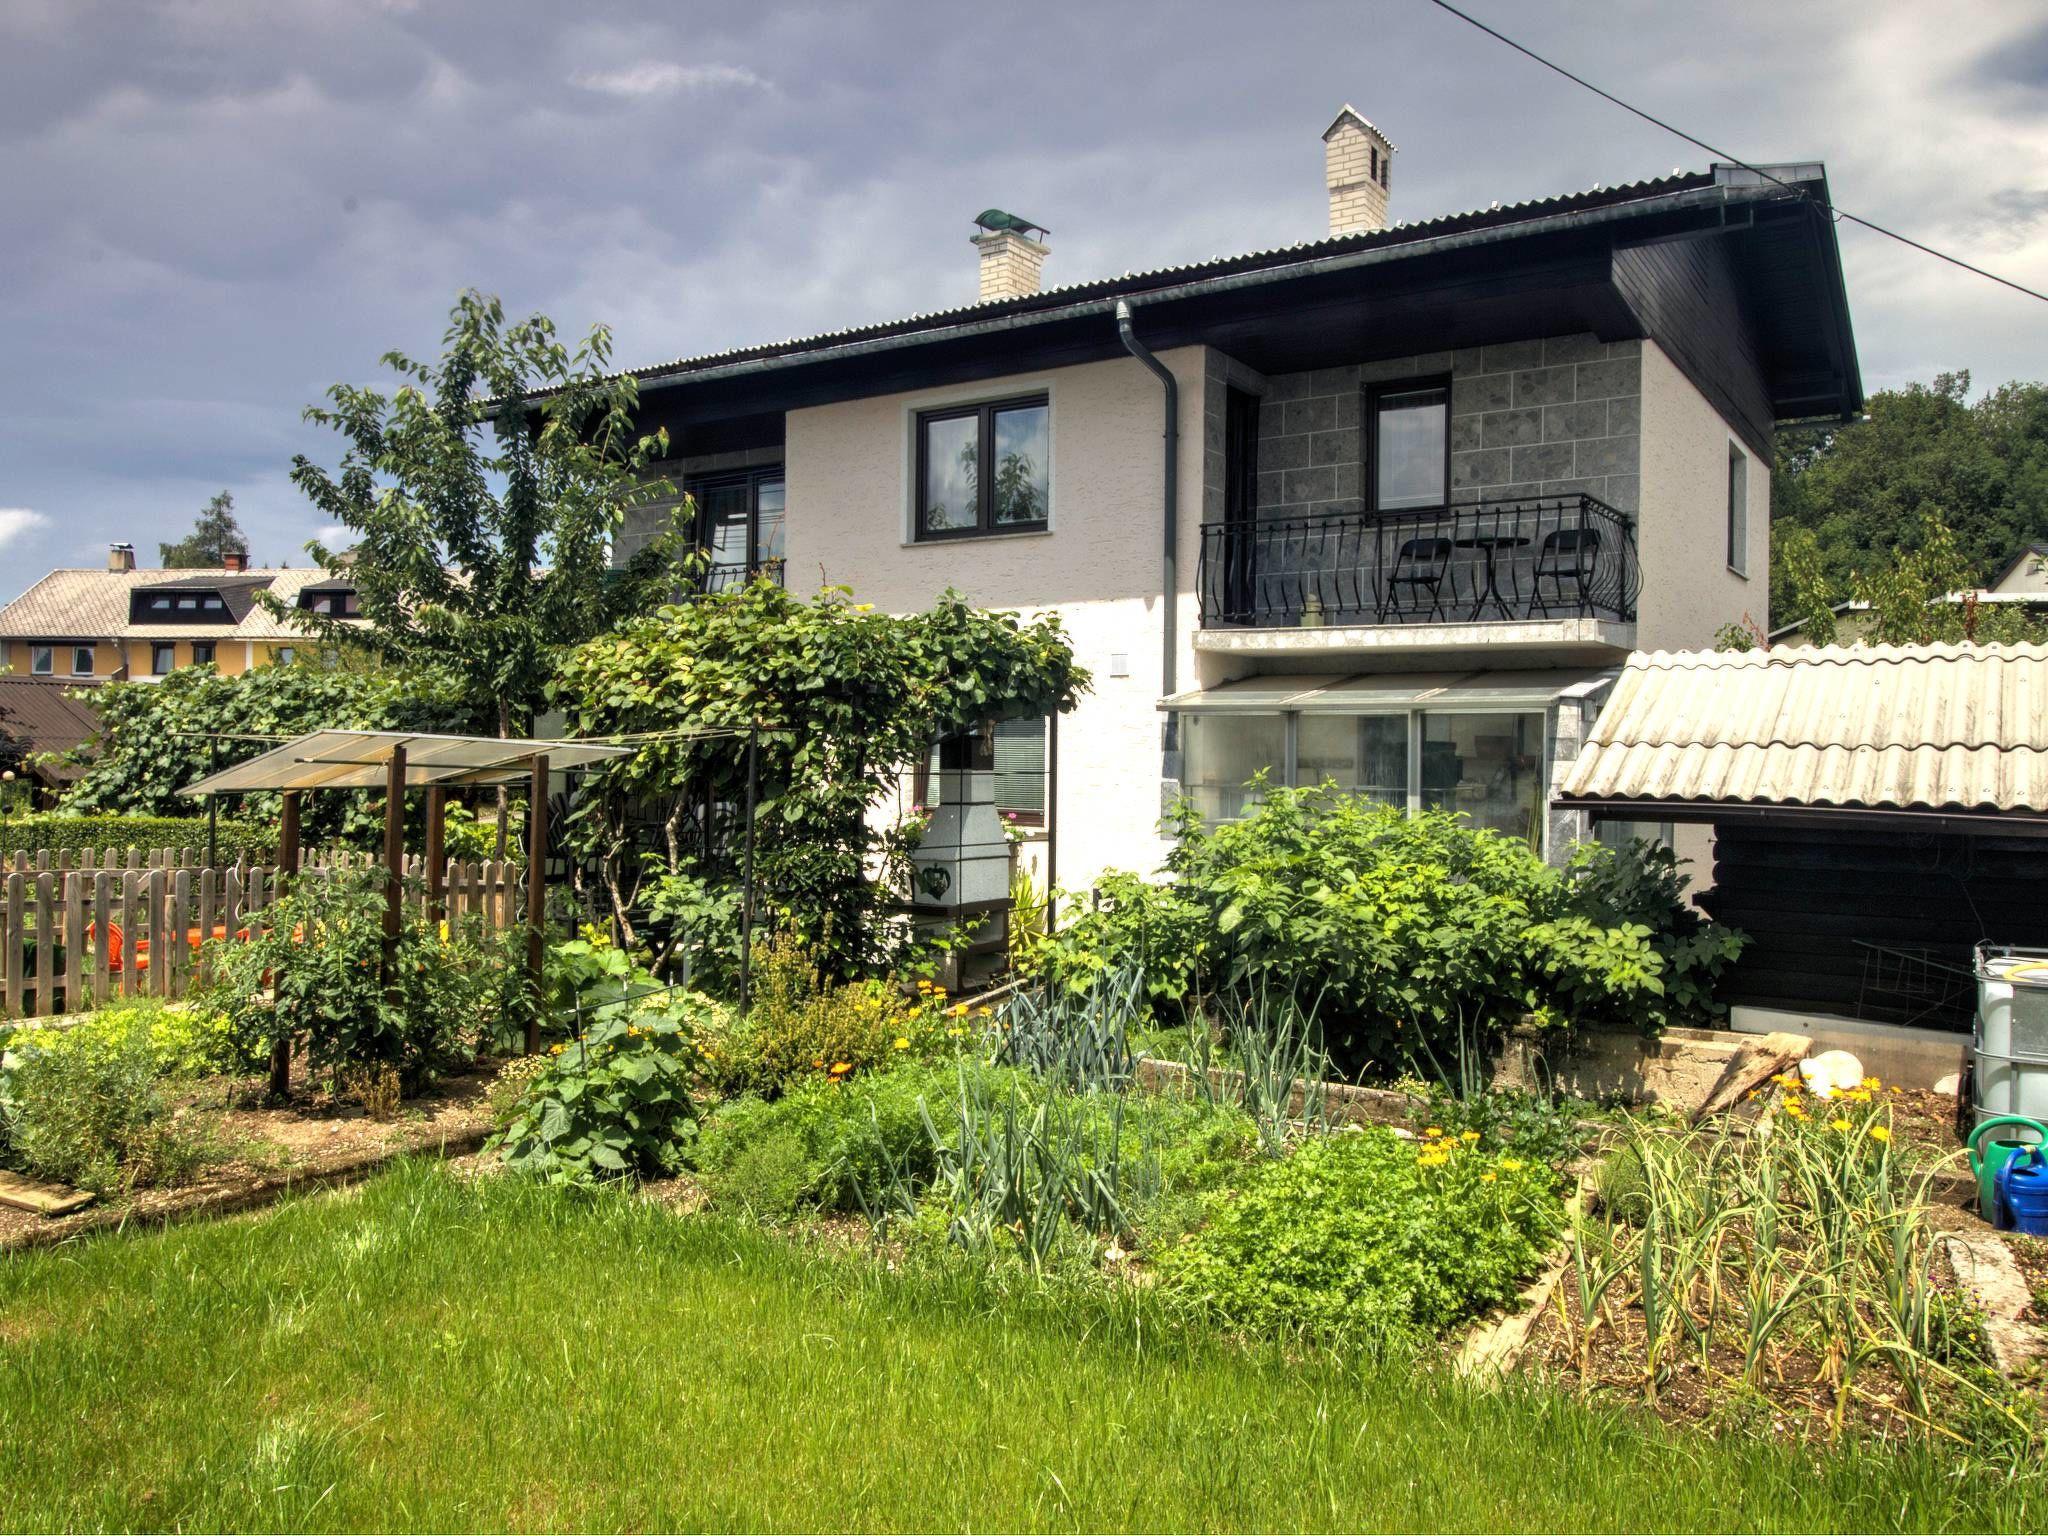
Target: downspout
x,y
1169,573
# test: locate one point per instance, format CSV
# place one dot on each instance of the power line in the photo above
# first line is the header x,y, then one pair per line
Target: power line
x,y
1700,143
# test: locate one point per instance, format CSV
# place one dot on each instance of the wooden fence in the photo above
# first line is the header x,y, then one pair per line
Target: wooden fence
x,y
78,928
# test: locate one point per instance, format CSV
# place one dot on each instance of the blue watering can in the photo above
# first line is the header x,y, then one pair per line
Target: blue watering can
x,y
2023,1192
1988,1158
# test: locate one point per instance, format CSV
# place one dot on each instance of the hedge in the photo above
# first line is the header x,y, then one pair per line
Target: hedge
x,y
71,834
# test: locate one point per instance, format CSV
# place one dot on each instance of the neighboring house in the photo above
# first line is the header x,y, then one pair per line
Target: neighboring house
x,y
122,623
2023,583
36,719
1425,486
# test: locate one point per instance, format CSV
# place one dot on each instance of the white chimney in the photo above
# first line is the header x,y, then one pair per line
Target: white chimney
x,y
1010,258
1358,170
120,557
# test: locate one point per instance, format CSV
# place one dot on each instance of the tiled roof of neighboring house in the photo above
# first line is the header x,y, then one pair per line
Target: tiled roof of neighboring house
x,y
1133,283
89,604
43,717
1911,728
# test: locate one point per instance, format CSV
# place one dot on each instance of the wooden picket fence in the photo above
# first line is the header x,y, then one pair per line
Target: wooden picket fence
x,y
80,928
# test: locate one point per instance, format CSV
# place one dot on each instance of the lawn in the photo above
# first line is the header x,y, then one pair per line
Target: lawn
x,y
428,1354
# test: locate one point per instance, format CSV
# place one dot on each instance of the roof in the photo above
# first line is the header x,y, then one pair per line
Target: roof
x,y
2031,552
43,717
361,760
1924,728
89,604
1387,692
1358,117
1790,270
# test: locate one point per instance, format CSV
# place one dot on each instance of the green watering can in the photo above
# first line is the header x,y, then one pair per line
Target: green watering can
x,y
1987,1160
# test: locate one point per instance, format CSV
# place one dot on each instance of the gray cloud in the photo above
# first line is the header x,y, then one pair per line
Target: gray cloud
x,y
215,210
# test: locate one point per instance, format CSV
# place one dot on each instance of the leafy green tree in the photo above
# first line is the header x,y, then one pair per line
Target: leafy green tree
x,y
1981,470
483,494
843,699
214,537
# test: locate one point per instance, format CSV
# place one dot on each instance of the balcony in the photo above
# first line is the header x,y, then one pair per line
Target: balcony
x,y
1553,575
728,575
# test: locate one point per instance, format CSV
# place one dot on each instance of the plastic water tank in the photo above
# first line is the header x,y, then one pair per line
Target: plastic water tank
x,y
2010,1044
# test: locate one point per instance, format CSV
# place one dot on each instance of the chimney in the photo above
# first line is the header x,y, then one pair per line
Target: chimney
x,y
1358,169
120,557
1010,257
235,561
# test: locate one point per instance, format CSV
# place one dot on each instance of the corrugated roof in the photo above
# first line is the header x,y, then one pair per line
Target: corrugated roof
x,y
89,604
43,717
361,759
1882,727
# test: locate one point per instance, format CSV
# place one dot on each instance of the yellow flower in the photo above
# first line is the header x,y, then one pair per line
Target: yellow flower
x,y
958,1011
840,1068
554,1050
1795,1110
956,1032
1838,1124
1487,1178
902,1042
1880,1133
984,1011
863,607
1872,1083
1434,1131
1468,1135
923,984
1432,1160
1858,1095
1512,1164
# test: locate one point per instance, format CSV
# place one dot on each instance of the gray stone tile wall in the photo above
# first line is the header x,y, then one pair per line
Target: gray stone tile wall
x,y
1553,417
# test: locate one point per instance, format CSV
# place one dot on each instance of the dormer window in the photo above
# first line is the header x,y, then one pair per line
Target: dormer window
x,y
331,602
182,603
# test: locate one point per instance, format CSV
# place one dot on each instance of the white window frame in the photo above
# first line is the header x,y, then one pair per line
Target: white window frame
x,y
91,660
1738,510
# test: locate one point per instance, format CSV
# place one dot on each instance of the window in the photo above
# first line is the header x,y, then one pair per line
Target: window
x,y
202,653
1374,149
42,660
163,656
1408,445
955,499
1220,752
81,661
1738,511
1386,165
1020,770
285,655
1490,767
739,524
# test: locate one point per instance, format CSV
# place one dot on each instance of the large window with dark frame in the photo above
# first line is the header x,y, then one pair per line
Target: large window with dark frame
x,y
740,524
984,469
1408,445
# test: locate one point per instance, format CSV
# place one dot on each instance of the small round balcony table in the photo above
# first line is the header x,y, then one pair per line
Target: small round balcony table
x,y
1491,542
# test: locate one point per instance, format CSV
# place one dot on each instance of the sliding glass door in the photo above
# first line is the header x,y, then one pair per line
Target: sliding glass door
x,y
740,525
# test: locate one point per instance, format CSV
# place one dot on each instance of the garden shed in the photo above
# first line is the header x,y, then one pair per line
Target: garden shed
x,y
1877,812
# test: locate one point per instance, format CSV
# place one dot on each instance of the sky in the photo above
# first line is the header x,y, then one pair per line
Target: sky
x,y
212,211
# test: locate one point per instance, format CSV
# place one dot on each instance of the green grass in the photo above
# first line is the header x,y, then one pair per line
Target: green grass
x,y
425,1354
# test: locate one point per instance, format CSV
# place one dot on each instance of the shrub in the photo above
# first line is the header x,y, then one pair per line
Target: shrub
x,y
1534,1126
1364,1235
1640,885
799,1025
1126,922
85,1106
615,1103
75,833
833,1145
185,1039
314,975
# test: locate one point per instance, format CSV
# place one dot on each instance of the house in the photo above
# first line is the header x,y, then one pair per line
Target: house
x,y
37,719
1388,507
124,623
1878,811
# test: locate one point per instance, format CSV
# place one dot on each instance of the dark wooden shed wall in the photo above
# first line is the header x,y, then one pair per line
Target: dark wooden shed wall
x,y
1872,925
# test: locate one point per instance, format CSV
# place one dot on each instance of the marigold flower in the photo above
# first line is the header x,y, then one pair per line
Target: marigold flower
x,y
958,1010
1468,1135
1872,1083
1513,1164
1434,1131
956,1032
902,1042
1838,1124
840,1067
1880,1133
1487,1178
983,1011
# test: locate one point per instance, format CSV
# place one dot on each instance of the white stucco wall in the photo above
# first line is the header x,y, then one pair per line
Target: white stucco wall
x,y
1688,590
850,467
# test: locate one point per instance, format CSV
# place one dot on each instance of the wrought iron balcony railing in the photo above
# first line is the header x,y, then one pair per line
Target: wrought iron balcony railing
x,y
724,576
1542,558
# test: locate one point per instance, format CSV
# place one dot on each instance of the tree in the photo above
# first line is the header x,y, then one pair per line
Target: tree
x,y
214,537
843,698
483,494
1922,452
